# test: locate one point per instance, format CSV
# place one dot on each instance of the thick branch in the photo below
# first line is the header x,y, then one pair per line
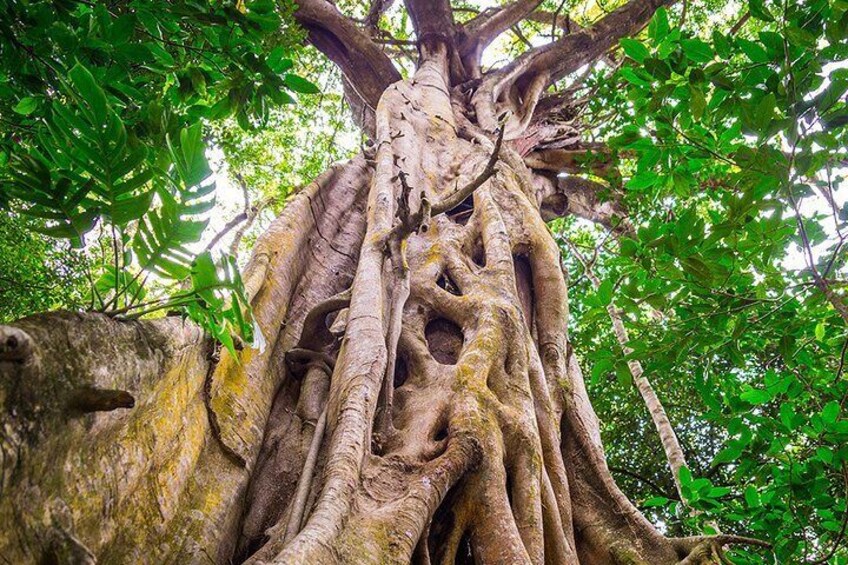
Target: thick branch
x,y
690,543
252,214
586,157
574,50
484,28
365,66
432,19
421,218
304,483
15,344
457,196
527,76
89,399
584,198
555,20
237,219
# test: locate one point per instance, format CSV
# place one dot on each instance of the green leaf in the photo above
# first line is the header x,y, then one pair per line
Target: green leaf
x,y
90,91
122,212
217,301
655,501
658,28
787,415
696,50
635,50
300,84
830,412
26,105
722,44
764,112
820,331
754,51
190,156
277,60
759,10
605,293
623,375
643,180
697,101
633,77
162,56
756,396
601,367
698,269
718,492
728,454
752,496
203,272
824,454
800,37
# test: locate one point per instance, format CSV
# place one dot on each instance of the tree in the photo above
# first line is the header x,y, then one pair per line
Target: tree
x,y
419,398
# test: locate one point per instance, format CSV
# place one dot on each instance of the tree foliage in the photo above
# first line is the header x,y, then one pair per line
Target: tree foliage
x,y
35,276
104,108
732,274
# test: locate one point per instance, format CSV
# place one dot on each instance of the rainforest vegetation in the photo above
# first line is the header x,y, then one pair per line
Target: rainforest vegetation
x,y
424,281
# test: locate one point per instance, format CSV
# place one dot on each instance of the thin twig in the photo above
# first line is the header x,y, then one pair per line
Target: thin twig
x,y
457,196
738,25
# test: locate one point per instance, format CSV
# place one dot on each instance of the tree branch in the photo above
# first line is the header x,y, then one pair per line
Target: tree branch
x,y
484,28
411,222
239,218
432,19
671,446
304,483
375,11
88,399
593,157
367,69
740,22
553,61
252,214
555,20
584,198
574,50
820,282
654,486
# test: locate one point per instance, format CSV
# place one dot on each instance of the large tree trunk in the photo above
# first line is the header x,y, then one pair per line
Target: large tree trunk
x,y
418,402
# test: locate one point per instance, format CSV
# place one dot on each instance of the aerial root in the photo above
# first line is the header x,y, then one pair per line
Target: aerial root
x,y
300,357
305,481
421,555
315,332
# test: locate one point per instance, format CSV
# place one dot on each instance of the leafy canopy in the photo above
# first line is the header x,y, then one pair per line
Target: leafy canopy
x,y
105,108
731,141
